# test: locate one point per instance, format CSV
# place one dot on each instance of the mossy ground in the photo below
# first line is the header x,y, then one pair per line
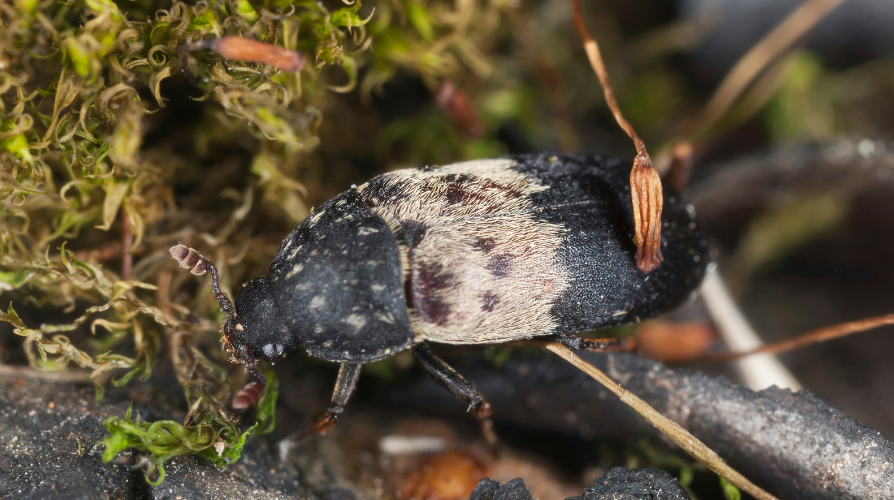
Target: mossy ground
x,y
116,144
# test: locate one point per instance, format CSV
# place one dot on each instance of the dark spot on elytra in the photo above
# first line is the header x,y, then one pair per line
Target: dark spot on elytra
x,y
458,178
434,277
428,280
471,190
508,191
500,265
484,244
413,232
456,194
490,300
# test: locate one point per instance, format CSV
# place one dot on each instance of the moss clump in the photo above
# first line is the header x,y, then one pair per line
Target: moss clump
x,y
116,142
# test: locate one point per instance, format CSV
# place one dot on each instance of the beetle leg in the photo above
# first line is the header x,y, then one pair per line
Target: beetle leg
x,y
449,379
345,384
344,387
595,345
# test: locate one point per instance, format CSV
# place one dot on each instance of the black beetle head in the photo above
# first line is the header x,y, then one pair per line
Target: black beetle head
x,y
256,329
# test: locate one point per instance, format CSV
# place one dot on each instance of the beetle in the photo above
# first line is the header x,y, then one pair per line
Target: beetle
x,y
479,252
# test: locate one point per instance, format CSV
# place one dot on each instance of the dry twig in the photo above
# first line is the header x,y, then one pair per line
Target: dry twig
x,y
645,183
815,336
681,165
65,376
761,55
126,242
756,373
671,429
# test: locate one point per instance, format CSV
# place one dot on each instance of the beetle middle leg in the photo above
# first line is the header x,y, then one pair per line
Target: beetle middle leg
x,y
449,379
344,387
594,345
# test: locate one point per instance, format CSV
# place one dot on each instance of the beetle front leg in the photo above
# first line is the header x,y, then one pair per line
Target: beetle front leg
x,y
345,384
595,345
344,387
449,379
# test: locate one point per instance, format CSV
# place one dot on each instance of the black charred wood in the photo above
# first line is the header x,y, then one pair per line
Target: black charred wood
x,y
634,484
618,484
488,489
793,444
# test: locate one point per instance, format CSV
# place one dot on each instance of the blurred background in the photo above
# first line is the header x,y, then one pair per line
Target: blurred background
x,y
118,143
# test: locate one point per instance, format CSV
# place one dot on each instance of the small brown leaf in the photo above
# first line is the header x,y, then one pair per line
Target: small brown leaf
x,y
451,475
674,342
453,100
648,202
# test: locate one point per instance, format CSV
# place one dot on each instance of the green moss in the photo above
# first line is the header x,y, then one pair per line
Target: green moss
x,y
800,109
730,492
96,149
211,435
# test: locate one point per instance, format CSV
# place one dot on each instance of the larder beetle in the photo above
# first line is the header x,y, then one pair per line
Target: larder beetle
x,y
478,252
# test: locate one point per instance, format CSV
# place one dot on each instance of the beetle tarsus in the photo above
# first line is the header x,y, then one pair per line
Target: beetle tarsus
x,y
321,426
328,420
345,385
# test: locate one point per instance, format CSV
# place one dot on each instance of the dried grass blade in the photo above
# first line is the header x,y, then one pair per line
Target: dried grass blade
x,y
671,429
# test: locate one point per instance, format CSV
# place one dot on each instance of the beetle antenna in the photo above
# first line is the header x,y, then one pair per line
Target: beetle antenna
x,y
191,259
249,363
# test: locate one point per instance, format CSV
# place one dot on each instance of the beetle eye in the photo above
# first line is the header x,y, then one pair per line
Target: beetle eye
x,y
273,352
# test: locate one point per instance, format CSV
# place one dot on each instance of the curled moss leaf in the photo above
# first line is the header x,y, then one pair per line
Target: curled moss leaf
x,y
166,439
96,183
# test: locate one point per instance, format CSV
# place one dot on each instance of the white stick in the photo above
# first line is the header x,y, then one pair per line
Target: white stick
x,y
760,370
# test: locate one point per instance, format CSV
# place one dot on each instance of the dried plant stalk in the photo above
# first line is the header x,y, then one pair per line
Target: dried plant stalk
x,y
671,429
768,49
645,183
815,336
